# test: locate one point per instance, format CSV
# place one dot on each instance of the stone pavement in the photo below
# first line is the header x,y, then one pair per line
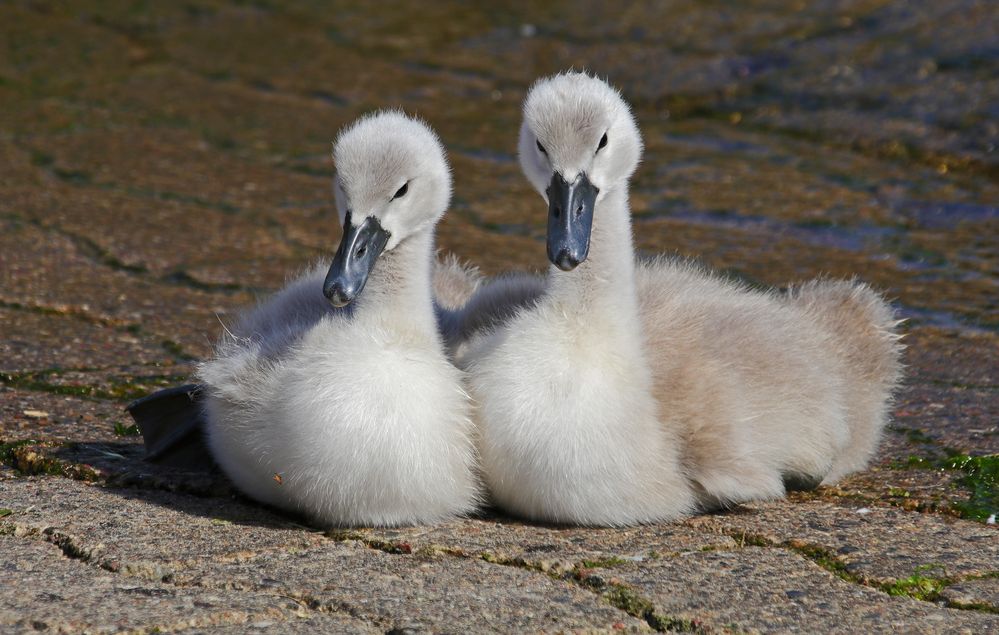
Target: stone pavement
x,y
163,164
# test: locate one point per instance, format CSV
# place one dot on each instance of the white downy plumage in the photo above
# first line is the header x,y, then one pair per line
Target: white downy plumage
x,y
353,415
615,393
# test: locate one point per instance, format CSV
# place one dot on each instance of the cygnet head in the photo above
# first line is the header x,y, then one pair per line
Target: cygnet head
x,y
392,181
579,141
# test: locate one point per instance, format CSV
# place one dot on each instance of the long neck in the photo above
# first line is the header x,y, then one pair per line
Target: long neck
x,y
606,279
398,293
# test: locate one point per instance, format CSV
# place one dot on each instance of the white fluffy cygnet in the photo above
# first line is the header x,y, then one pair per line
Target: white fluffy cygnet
x,y
352,414
614,393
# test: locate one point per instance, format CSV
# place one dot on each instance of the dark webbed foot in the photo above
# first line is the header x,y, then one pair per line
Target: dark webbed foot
x,y
795,482
171,422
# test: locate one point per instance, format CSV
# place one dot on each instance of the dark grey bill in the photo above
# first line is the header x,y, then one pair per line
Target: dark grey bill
x,y
570,218
354,259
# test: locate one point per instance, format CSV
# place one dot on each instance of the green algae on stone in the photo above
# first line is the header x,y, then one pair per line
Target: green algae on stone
x,y
982,479
7,449
753,540
27,457
824,558
117,389
177,350
629,601
123,430
603,563
915,435
378,544
917,586
41,159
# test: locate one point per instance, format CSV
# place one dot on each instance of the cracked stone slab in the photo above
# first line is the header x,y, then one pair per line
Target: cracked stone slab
x,y
549,547
123,465
418,592
910,489
68,281
767,589
122,383
959,417
492,253
45,591
28,414
35,341
877,543
118,464
176,161
297,625
952,357
147,533
148,230
980,592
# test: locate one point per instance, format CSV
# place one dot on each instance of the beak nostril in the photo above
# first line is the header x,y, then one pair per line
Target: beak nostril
x,y
557,211
565,261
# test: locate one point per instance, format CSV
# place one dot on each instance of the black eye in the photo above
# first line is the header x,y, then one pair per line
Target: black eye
x,y
542,148
401,191
603,142
362,250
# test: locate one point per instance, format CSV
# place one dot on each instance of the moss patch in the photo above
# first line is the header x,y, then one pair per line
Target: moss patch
x,y
915,435
973,606
28,458
123,430
387,546
745,539
603,563
917,586
825,558
981,479
176,350
629,601
7,449
117,389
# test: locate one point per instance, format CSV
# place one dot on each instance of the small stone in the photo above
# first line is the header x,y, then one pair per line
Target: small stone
x,y
36,414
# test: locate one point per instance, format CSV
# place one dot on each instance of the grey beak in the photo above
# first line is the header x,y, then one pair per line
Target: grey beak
x,y
570,218
355,257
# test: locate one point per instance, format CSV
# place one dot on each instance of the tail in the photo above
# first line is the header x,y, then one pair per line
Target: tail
x,y
172,423
862,330
454,283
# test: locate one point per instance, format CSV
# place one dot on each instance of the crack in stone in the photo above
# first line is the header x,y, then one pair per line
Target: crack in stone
x,y
173,348
69,311
152,571
825,558
72,549
942,507
97,254
117,389
618,595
